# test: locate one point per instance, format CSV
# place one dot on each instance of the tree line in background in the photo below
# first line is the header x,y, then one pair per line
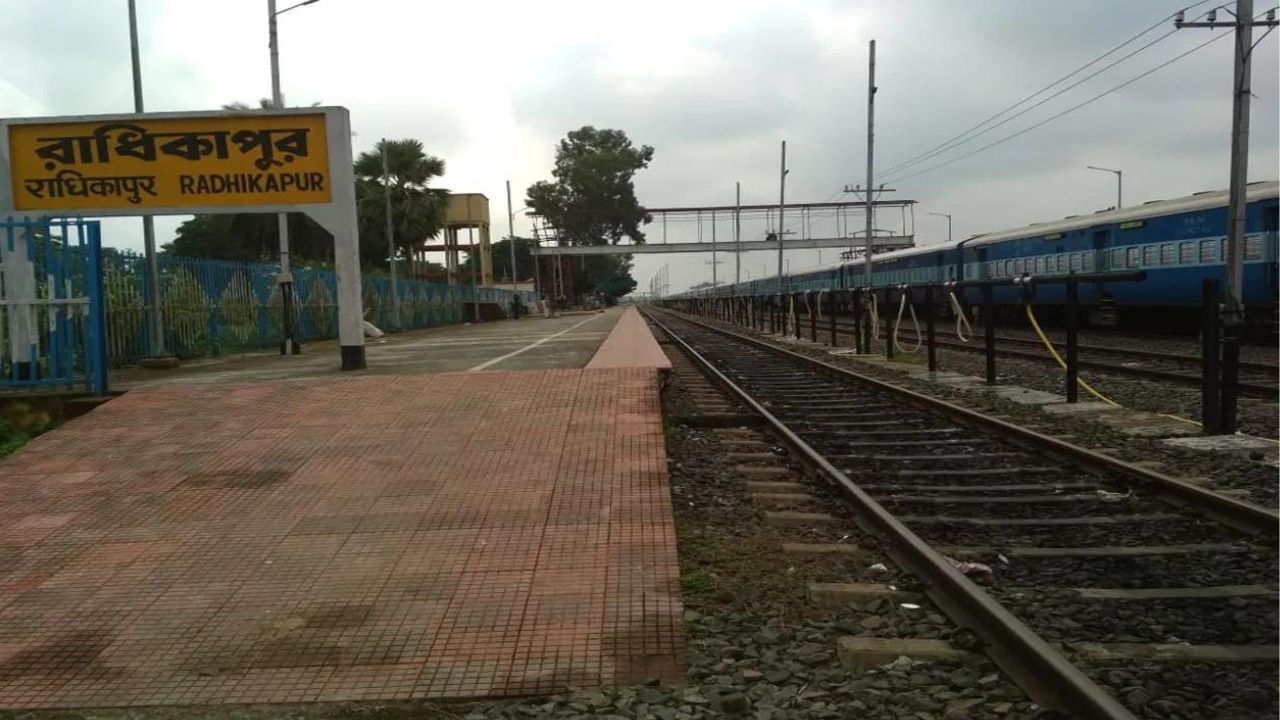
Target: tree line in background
x,y
590,201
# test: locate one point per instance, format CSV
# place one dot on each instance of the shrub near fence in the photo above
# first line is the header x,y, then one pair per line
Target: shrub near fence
x,y
216,307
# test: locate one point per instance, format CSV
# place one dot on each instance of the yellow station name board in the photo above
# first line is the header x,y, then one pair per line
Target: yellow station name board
x,y
170,162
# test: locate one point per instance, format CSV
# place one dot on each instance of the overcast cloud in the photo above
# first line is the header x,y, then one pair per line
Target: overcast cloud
x,y
712,85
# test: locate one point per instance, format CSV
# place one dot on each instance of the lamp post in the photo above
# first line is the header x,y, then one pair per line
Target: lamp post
x,y
948,217
155,320
1119,182
288,345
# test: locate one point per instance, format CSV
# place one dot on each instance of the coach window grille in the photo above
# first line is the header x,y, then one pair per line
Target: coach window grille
x,y
1117,257
1168,254
1087,260
1075,262
1149,256
1135,257
1253,248
1187,254
1208,251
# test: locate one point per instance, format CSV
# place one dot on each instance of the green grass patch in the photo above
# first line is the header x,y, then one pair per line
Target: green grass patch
x,y
698,582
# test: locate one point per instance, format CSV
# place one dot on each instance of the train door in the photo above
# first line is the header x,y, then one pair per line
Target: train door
x,y
1101,256
1104,314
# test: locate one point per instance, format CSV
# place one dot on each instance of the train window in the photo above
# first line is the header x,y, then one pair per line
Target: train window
x,y
1017,266
1117,257
1008,268
1187,253
1087,258
1208,251
1149,257
1134,258
1252,247
1039,265
1168,254
1075,262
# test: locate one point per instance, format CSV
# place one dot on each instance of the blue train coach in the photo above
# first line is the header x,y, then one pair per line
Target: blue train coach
x,y
1178,242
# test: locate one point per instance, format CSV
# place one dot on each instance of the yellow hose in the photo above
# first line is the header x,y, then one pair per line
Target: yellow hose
x,y
1052,351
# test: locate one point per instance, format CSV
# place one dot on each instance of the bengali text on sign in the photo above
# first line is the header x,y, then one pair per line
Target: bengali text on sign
x,y
170,162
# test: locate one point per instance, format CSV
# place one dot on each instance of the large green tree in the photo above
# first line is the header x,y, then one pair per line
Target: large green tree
x,y
592,201
417,209
250,237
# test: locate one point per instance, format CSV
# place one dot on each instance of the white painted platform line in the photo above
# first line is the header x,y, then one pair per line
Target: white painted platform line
x,y
532,345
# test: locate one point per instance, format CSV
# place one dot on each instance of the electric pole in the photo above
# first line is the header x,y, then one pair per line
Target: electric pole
x,y
391,235
155,320
1233,305
782,204
871,140
737,232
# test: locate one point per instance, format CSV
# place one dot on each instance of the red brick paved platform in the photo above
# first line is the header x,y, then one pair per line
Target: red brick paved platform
x,y
336,539
630,344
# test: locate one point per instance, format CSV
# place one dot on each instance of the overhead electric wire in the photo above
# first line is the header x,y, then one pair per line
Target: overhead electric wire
x,y
1068,111
970,134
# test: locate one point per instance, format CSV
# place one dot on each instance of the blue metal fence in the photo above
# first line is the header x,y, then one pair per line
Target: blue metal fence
x,y
216,307
52,318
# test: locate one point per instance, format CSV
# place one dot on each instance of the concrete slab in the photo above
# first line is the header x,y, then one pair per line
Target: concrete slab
x,y
1142,424
1027,396
352,538
864,653
1233,444
923,373
1079,408
526,344
962,382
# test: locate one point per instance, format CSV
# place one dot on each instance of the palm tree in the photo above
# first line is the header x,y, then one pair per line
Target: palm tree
x,y
418,211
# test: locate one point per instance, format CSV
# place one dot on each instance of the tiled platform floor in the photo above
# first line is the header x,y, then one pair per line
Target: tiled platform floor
x,y
337,539
630,344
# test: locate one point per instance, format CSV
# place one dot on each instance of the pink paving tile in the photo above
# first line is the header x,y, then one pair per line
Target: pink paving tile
x,y
630,344
376,538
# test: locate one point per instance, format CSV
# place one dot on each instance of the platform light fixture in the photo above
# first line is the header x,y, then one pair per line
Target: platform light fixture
x,y
1119,182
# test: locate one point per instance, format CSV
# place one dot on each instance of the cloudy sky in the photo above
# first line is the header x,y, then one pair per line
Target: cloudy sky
x,y
712,85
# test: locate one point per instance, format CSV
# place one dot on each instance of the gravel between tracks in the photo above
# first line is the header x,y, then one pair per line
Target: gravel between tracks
x,y
1219,470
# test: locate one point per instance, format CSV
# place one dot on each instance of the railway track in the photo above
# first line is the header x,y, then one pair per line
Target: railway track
x,y
1256,379
1100,571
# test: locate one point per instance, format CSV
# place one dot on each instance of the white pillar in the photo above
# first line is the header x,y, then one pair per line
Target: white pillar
x,y
339,218
19,275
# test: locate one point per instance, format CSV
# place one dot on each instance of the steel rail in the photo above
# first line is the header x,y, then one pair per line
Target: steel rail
x,y
1040,670
1246,517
